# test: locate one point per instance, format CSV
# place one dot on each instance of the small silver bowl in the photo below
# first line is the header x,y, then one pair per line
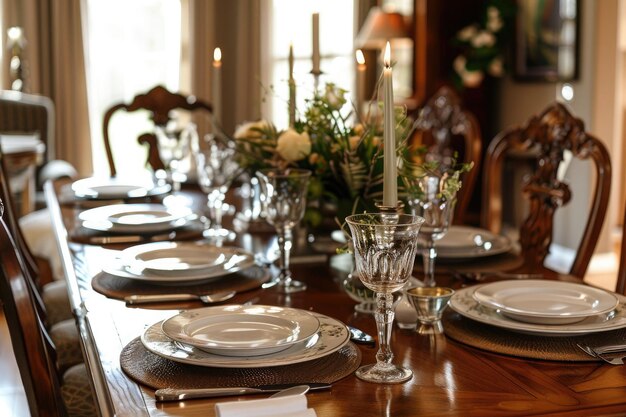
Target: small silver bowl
x,y
429,303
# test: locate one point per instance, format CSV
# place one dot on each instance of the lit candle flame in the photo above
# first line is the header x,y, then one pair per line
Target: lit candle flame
x,y
217,55
360,59
387,55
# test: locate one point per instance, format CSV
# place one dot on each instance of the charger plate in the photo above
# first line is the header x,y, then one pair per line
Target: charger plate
x,y
135,218
332,336
463,302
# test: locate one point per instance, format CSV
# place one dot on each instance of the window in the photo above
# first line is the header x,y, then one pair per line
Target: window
x,y
135,46
291,22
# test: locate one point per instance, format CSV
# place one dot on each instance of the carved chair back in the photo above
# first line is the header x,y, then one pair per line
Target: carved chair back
x,y
438,125
549,135
32,346
160,103
10,219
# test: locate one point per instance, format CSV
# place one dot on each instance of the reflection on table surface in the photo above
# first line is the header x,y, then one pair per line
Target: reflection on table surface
x,y
450,378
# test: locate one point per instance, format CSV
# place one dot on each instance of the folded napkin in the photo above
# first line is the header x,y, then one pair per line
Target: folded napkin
x,y
291,406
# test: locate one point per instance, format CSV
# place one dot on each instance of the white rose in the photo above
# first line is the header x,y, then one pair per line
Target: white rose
x,y
293,146
496,67
467,33
472,78
483,38
495,24
249,130
459,64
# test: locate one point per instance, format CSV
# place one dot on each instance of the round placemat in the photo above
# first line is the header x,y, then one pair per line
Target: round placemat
x,y
118,287
498,340
156,372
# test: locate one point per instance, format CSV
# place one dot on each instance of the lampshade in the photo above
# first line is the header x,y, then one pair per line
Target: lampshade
x,y
379,27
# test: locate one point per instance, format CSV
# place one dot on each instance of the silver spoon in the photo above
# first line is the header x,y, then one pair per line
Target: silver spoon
x,y
162,298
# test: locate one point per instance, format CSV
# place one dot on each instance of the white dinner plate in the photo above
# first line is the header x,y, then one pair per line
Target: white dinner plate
x,y
237,330
332,336
463,302
111,188
545,302
190,277
136,218
461,242
176,258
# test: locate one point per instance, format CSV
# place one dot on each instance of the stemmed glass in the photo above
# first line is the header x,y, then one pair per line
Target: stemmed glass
x,y
437,209
283,196
384,250
174,146
217,168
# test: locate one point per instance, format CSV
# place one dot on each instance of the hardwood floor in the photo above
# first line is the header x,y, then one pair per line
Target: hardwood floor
x,y
12,397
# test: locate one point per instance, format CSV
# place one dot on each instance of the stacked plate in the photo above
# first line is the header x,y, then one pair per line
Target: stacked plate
x,y
237,336
462,242
113,188
542,307
136,218
171,263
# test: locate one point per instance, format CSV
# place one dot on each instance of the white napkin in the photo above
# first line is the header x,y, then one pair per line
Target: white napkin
x,y
291,406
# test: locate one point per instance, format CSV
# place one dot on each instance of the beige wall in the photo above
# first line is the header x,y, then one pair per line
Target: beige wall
x,y
594,102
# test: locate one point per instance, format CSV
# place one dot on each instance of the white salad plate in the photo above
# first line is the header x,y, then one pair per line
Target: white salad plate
x,y
461,242
237,330
545,302
111,188
178,258
136,218
464,303
332,336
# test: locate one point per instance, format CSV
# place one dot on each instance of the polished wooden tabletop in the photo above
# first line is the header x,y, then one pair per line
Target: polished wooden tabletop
x,y
450,378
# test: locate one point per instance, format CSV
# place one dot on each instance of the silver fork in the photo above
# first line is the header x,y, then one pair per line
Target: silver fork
x,y
613,354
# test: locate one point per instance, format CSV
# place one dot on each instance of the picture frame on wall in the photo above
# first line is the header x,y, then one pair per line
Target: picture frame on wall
x,y
547,37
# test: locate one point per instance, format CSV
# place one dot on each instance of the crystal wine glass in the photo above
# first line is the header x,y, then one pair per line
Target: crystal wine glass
x,y
384,250
217,168
283,196
174,147
437,210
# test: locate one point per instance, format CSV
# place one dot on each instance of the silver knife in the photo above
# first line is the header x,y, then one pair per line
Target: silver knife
x,y
104,240
173,394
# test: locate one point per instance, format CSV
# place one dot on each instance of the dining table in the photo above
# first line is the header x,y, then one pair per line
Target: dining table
x,y
472,369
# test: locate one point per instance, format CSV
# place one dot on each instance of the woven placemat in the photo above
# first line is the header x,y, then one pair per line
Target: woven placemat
x,y
118,287
80,234
498,340
156,372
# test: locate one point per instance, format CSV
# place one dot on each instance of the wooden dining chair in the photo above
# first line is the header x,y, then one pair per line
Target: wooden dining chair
x,y
48,392
547,136
161,104
445,127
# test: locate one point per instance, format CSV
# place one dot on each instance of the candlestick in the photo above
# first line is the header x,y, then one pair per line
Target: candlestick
x,y
390,176
292,90
217,84
360,80
316,44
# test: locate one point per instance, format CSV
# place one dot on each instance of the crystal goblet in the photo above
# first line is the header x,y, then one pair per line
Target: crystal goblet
x,y
283,196
217,168
174,146
437,210
384,250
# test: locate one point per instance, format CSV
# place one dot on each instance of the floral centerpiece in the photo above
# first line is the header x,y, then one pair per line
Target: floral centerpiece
x,y
344,153
482,45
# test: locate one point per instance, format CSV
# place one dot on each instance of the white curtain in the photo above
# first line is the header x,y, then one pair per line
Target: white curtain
x,y
55,67
235,27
